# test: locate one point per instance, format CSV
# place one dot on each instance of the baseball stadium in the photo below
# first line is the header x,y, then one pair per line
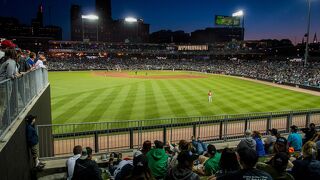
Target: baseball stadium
x,y
117,99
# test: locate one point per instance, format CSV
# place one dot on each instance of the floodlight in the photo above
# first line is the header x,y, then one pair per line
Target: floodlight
x,y
90,17
238,14
130,19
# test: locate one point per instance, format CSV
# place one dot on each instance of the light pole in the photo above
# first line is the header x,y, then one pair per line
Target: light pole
x,y
90,17
240,13
306,54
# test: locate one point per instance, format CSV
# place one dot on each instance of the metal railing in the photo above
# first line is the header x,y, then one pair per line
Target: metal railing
x,y
16,94
126,135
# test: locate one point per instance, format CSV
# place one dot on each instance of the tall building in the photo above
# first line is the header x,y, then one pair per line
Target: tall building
x,y
75,17
103,9
35,37
168,36
105,28
216,35
133,32
38,21
105,22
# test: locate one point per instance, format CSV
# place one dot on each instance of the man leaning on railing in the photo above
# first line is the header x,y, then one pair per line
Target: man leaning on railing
x,y
8,70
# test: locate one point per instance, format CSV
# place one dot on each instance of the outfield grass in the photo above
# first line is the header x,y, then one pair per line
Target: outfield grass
x,y
84,97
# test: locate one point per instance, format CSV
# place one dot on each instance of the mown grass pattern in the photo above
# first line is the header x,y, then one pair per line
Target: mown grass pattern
x,y
82,97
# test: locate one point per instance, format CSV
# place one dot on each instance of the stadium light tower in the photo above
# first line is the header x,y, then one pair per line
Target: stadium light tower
x,y
306,54
240,13
90,17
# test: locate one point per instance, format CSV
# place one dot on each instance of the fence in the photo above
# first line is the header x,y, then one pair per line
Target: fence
x,y
16,94
126,135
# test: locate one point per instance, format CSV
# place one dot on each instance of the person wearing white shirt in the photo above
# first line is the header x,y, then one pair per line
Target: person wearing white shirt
x,y
39,63
72,161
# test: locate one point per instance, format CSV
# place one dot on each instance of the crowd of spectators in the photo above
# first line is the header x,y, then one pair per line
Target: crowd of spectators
x,y
277,71
288,159
14,63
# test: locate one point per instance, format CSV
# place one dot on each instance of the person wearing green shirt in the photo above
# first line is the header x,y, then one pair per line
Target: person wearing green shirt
x,y
211,166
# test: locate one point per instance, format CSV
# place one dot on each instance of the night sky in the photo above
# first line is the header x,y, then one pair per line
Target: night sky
x,y
263,18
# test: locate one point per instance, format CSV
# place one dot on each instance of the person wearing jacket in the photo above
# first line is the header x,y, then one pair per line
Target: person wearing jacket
x,y
85,168
277,166
259,144
8,70
183,171
248,141
33,140
158,160
308,167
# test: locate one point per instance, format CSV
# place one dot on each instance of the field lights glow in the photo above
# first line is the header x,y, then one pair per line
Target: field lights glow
x,y
91,17
238,14
130,19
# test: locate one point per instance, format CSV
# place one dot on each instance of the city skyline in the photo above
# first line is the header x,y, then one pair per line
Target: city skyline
x,y
263,19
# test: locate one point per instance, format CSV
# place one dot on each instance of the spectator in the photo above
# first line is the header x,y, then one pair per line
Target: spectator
x,y
33,140
31,60
40,61
85,168
259,144
158,160
211,166
77,150
141,170
308,167
123,170
270,140
8,70
295,139
22,62
228,162
248,159
146,147
184,168
183,145
309,132
277,167
281,145
199,145
248,141
316,139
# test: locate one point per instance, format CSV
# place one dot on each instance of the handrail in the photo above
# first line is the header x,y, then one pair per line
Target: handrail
x,y
17,93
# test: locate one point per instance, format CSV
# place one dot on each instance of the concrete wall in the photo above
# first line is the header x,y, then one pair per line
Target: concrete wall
x,y
15,159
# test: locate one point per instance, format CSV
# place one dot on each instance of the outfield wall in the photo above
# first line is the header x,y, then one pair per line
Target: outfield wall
x,y
128,135
312,88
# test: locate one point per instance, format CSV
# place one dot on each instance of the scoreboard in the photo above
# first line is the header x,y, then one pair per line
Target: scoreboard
x,y
221,20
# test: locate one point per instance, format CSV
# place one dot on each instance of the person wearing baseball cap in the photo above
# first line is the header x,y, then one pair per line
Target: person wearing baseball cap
x,y
85,167
7,44
295,139
9,69
281,145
